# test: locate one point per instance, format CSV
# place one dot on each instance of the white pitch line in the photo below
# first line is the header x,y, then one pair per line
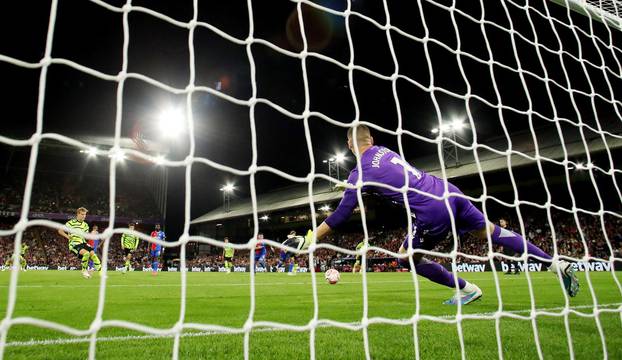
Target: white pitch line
x,y
65,341
237,284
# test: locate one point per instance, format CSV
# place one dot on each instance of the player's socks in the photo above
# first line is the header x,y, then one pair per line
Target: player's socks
x,y
85,261
290,268
434,272
295,268
514,241
96,263
127,264
154,266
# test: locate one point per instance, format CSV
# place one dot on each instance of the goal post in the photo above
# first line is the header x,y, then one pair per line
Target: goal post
x,y
605,11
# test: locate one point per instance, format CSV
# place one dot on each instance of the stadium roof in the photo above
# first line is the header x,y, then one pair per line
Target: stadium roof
x,y
549,148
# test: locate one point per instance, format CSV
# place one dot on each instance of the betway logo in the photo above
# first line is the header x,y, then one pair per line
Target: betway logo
x,y
471,267
592,266
521,266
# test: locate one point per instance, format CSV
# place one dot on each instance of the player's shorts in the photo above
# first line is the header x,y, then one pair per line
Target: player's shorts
x,y
260,255
127,251
154,253
284,255
76,248
433,226
229,259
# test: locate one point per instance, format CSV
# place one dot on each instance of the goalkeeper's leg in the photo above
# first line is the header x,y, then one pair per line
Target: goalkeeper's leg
x,y
516,242
439,274
22,262
468,217
435,272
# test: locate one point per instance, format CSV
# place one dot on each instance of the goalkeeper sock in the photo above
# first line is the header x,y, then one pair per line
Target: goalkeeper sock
x,y
295,267
127,264
511,240
97,264
434,272
227,265
85,261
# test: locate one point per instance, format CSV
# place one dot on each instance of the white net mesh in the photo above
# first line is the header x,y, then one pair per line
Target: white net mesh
x,y
607,63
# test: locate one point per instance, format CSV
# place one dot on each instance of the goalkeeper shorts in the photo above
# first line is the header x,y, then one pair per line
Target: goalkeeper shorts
x,y
127,251
76,248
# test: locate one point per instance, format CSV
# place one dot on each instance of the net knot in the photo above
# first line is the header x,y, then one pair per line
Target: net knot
x,y
248,326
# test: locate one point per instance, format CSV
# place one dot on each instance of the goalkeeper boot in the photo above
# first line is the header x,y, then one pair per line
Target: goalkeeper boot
x,y
571,282
469,294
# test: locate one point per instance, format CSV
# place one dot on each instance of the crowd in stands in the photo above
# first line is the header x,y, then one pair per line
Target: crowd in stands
x,y
64,193
46,247
538,231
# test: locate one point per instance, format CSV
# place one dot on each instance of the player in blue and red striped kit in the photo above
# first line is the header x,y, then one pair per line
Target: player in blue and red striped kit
x,y
431,217
93,243
155,250
260,252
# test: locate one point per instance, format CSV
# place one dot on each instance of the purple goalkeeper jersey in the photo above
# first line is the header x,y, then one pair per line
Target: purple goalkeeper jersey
x,y
382,165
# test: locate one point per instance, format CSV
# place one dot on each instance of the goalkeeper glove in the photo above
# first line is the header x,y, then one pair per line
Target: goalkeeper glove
x,y
308,239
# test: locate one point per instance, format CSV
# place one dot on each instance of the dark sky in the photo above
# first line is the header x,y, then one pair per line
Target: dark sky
x,y
91,35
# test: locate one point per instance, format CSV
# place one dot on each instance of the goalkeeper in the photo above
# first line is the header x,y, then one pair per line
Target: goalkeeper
x,y
431,217
77,243
129,243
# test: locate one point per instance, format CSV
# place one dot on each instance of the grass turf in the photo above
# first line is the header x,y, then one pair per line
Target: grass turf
x,y
224,299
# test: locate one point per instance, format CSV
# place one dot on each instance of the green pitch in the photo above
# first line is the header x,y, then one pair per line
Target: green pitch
x,y
224,299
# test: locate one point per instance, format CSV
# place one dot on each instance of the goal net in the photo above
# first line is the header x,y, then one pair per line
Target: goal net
x,y
535,83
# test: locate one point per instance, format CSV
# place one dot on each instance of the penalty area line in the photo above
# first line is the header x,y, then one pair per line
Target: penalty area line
x,y
65,341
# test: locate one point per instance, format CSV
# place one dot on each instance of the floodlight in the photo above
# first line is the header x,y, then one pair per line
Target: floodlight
x,y
339,158
171,122
228,188
457,124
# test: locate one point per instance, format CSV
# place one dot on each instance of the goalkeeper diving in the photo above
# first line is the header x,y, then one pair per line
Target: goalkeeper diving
x,y
431,217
